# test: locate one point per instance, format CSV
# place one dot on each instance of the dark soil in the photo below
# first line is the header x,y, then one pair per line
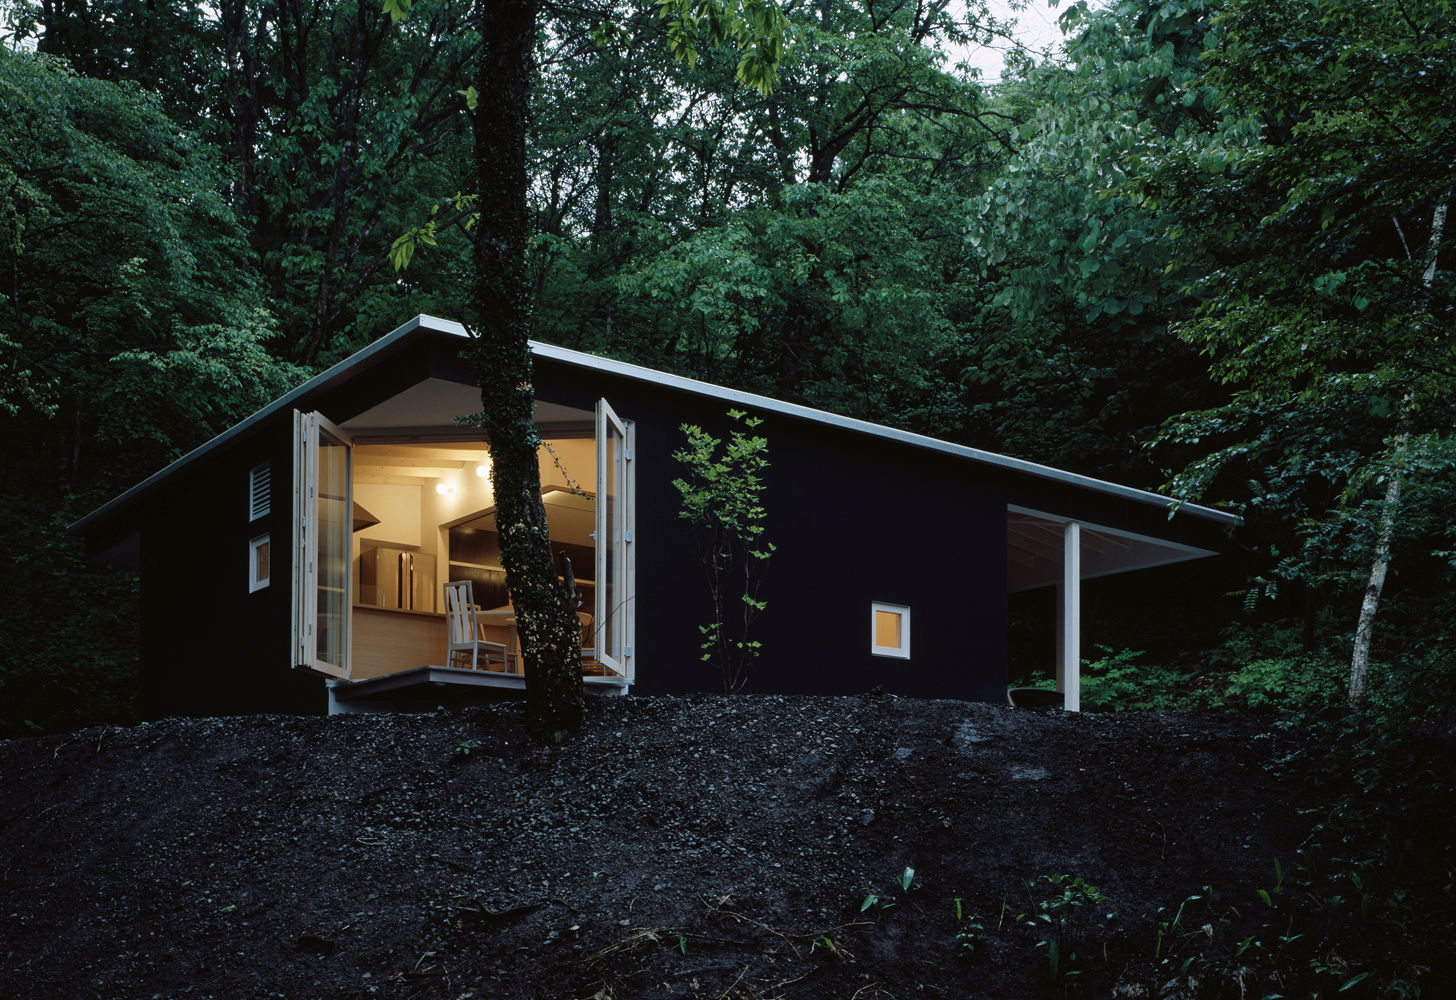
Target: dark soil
x,y
698,847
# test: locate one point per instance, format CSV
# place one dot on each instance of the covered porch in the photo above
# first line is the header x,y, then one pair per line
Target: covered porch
x,y
1048,550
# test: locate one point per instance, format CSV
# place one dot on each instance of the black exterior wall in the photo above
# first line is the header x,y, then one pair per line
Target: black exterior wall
x,y
855,518
209,646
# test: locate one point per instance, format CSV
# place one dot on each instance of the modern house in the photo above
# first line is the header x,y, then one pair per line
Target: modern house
x,y
296,561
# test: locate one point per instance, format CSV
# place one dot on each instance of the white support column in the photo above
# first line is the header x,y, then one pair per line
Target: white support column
x,y
1061,636
1069,632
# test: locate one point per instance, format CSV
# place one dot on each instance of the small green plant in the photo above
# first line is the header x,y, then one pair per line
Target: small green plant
x,y
463,748
722,495
969,931
1269,895
873,899
1068,916
827,943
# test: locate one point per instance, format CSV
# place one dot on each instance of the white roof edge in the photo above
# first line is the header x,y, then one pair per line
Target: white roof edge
x,y
639,373
771,405
287,400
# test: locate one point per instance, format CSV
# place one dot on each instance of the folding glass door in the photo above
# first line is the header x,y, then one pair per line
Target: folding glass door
x,y
615,585
321,518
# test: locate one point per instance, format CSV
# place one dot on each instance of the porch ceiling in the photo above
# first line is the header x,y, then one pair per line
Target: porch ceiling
x,y
435,403
1034,550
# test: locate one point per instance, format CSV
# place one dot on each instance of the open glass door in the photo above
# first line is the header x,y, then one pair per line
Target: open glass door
x,y
321,539
616,585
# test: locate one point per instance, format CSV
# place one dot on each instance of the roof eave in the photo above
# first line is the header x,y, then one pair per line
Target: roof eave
x,y
422,325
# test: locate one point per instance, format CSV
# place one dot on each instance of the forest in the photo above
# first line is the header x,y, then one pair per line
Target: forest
x,y
1206,252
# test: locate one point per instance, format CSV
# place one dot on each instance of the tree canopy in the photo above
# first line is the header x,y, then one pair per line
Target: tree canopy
x,y
1207,249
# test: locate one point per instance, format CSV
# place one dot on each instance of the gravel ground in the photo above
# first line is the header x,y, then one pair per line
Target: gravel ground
x,y
679,847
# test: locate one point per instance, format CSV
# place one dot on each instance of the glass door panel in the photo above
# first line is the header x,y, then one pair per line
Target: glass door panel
x,y
331,610
321,545
612,538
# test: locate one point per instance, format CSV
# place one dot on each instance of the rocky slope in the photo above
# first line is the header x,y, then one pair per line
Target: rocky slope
x,y
699,847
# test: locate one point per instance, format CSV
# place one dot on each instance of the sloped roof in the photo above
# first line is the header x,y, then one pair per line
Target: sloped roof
x,y
424,326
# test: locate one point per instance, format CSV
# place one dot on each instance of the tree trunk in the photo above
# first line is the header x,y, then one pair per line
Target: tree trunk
x,y
545,612
1365,628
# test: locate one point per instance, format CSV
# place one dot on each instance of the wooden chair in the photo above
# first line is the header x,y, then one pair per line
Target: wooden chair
x,y
590,665
464,633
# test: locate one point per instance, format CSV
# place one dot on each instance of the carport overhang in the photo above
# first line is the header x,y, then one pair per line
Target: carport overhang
x,y
1050,550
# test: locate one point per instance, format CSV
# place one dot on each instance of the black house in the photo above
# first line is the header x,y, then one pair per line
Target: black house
x,y
296,562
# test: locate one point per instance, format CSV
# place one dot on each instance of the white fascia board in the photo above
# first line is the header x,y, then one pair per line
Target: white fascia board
x,y
764,403
433,324
319,382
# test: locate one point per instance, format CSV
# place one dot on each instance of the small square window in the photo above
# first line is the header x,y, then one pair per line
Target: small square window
x,y
258,563
890,630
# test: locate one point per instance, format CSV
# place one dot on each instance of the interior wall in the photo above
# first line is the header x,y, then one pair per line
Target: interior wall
x,y
570,462
466,493
399,509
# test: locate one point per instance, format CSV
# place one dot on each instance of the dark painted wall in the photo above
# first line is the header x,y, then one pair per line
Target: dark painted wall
x,y
209,647
855,520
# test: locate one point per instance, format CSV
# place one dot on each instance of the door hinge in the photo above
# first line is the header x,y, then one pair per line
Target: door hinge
x,y
627,454
626,536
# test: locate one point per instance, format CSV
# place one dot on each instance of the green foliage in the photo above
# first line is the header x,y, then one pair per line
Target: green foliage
x,y
1327,312
970,931
1306,682
1116,682
134,330
756,29
68,631
1359,906
722,491
1067,917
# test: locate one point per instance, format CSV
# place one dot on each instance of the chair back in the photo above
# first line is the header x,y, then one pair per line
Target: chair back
x,y
460,612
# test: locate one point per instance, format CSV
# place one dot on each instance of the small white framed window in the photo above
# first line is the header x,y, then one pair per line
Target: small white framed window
x,y
259,563
260,491
890,630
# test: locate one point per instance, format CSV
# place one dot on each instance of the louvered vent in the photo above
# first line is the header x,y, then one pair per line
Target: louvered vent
x,y
260,491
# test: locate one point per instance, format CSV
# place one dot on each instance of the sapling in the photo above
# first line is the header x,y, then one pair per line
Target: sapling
x,y
722,495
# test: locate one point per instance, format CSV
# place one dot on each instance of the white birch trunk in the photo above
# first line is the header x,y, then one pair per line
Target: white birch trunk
x,y
1365,626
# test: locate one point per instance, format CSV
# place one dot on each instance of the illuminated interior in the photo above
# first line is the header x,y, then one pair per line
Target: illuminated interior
x,y
432,502
424,514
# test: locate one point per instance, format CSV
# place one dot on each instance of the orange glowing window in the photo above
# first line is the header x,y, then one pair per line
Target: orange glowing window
x,y
890,630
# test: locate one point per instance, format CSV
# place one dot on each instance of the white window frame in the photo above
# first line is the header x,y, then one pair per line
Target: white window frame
x,y
616,655
309,429
902,651
255,582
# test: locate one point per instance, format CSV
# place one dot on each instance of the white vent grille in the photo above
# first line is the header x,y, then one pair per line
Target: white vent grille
x,y
260,491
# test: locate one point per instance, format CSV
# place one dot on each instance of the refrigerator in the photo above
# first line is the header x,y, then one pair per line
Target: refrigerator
x,y
397,578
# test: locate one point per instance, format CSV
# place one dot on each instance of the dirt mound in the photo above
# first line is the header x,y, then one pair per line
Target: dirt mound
x,y
702,847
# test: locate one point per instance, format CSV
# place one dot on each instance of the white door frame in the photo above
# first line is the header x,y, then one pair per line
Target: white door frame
x,y
307,431
618,581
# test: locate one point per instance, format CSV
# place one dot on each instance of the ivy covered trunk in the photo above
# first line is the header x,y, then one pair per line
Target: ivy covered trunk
x,y
545,613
